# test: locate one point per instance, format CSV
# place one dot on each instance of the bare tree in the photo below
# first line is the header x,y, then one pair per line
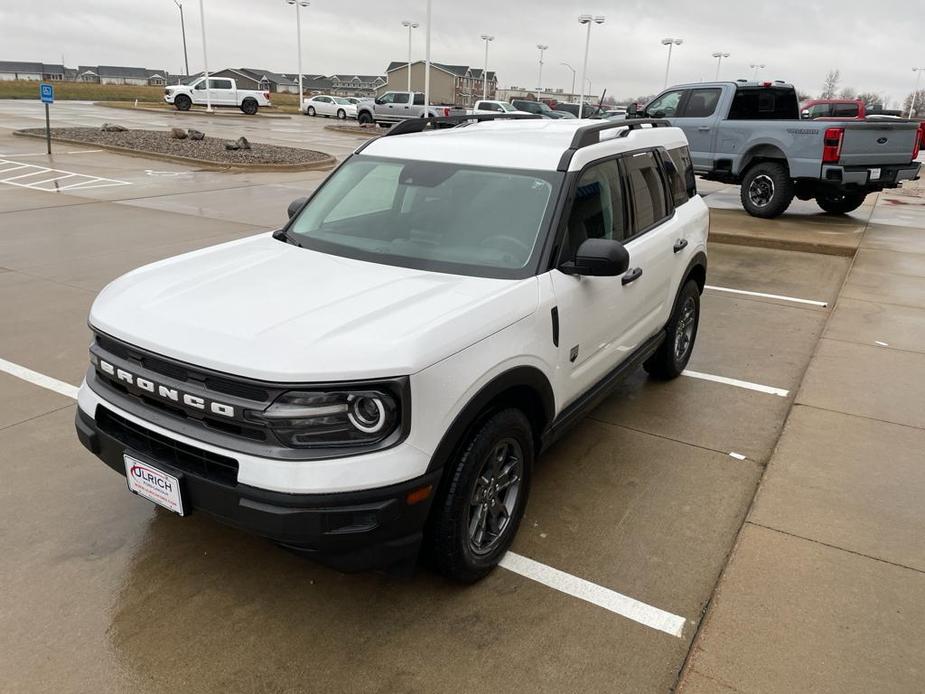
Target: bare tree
x,y
830,86
803,96
847,93
919,103
870,98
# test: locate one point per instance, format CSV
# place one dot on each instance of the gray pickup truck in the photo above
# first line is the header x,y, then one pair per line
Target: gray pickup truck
x,y
750,133
394,107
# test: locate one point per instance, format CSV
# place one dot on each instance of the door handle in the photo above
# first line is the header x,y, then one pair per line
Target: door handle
x,y
704,128
631,276
680,245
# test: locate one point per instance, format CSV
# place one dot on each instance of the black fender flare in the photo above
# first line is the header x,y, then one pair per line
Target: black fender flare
x,y
502,390
696,269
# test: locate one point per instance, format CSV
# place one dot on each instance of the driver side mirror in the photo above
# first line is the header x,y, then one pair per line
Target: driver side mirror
x,y
804,114
377,101
295,206
598,258
632,110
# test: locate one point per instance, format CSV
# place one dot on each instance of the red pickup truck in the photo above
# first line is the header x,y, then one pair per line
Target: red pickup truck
x,y
841,109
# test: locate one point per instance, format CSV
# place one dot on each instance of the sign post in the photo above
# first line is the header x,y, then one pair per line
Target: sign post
x,y
47,94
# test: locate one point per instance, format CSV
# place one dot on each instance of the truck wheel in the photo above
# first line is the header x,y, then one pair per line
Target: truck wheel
x,y
182,102
364,118
680,334
474,522
840,202
249,106
767,190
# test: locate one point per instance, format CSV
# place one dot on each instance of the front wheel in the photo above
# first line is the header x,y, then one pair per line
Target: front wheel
x,y
183,102
341,114
476,518
311,111
840,202
249,106
365,118
671,358
767,190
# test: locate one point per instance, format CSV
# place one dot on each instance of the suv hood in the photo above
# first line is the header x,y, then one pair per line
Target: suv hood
x,y
268,310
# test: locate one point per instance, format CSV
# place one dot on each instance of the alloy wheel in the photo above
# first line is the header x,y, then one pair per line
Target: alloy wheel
x,y
495,496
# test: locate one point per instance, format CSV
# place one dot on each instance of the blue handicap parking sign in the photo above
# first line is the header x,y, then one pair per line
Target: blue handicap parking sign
x,y
47,92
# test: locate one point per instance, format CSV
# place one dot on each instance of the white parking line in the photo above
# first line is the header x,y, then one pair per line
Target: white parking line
x,y
615,602
770,390
85,181
768,296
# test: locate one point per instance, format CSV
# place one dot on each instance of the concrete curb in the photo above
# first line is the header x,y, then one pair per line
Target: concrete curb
x,y
351,130
782,244
327,162
217,114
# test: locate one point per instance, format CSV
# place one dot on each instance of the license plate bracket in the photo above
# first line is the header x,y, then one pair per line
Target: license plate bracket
x,y
150,482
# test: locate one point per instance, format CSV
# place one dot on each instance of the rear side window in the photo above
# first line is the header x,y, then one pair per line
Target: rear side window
x,y
764,103
702,103
400,98
845,110
418,99
681,181
646,189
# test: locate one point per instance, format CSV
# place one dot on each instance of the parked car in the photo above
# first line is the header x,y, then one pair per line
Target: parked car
x,y
750,133
491,106
394,107
535,107
589,110
222,91
330,106
378,377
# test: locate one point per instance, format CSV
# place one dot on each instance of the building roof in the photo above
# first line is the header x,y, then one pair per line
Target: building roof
x,y
21,66
121,71
277,77
458,70
347,77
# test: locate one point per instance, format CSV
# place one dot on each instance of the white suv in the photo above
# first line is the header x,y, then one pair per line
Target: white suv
x,y
382,372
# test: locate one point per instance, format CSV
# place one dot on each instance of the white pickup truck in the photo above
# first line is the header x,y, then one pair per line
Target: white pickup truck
x,y
486,106
222,91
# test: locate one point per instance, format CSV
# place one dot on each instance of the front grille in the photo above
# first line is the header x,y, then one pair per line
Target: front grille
x,y
195,461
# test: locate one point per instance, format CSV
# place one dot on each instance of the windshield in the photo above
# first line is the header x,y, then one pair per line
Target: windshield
x,y
505,106
429,215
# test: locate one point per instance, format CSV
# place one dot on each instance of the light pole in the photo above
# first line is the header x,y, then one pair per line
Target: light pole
x,y
205,58
572,95
299,4
671,43
719,55
915,92
543,48
487,39
183,30
586,19
756,67
411,26
427,18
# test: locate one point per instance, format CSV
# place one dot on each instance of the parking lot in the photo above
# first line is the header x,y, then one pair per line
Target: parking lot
x,y
630,523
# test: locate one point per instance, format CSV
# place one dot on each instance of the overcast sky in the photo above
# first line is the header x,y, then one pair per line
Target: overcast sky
x,y
874,44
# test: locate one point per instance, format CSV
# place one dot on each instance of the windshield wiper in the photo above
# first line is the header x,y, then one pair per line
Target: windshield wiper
x,y
283,235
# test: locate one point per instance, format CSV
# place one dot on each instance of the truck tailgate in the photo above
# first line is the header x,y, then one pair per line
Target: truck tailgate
x,y
876,143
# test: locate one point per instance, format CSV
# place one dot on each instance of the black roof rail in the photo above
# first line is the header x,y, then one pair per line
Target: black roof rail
x,y
417,125
588,135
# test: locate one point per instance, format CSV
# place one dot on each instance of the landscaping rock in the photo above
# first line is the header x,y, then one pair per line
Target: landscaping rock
x,y
242,143
195,134
113,128
178,133
232,146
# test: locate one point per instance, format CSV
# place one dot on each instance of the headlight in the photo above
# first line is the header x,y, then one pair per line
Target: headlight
x,y
313,419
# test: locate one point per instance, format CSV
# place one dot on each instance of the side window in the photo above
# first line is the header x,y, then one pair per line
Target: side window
x,y
219,84
666,104
400,98
646,190
702,103
200,85
845,110
387,98
820,111
681,180
418,99
599,209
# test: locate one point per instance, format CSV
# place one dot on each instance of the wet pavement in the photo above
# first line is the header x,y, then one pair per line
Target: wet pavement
x,y
646,497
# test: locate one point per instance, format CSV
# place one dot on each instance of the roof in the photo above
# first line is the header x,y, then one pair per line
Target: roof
x,y
21,66
346,77
258,74
536,144
458,70
123,72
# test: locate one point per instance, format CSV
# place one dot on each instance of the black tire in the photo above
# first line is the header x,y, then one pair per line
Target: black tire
x,y
249,106
840,201
455,549
767,190
680,334
183,102
310,111
365,118
341,114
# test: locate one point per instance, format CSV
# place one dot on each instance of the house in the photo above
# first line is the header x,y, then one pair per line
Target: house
x,y
460,85
158,78
270,81
356,85
243,79
15,70
317,84
117,74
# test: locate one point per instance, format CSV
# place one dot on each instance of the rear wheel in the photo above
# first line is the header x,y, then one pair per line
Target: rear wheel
x,y
840,202
680,334
476,518
182,102
249,106
767,190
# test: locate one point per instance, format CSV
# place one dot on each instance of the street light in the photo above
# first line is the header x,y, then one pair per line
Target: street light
x,y
183,29
205,58
299,4
543,48
719,55
427,18
410,26
915,92
756,67
487,39
671,43
586,19
573,78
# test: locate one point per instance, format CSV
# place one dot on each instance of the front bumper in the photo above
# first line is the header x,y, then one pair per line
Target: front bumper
x,y
349,531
